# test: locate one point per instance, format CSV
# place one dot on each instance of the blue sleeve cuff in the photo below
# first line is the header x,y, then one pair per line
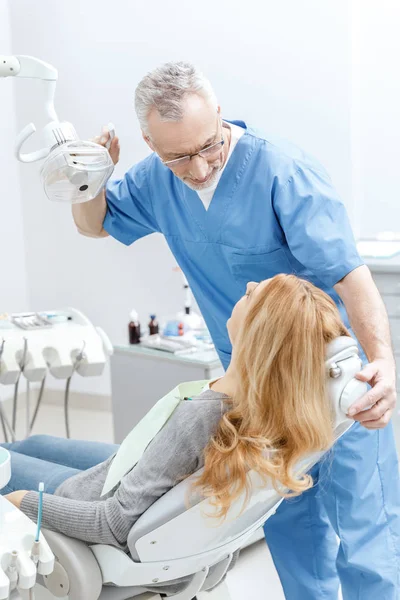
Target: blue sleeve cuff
x,y
130,213
335,273
114,228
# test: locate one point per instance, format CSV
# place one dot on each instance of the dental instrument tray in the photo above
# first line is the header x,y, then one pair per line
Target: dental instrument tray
x,y
157,342
29,321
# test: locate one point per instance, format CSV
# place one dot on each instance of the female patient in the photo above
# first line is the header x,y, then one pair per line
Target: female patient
x,y
271,397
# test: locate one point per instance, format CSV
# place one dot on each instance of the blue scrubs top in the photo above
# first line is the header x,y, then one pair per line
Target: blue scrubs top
x,y
274,211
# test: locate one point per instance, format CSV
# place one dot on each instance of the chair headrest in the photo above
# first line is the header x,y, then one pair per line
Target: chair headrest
x,y
342,362
340,344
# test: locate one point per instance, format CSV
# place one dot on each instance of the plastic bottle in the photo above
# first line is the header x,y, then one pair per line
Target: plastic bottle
x,y
134,328
153,325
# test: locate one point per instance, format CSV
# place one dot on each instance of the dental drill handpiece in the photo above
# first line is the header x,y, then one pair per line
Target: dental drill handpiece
x,y
12,572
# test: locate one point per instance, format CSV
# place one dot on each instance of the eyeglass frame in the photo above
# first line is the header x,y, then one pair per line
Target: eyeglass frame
x,y
176,161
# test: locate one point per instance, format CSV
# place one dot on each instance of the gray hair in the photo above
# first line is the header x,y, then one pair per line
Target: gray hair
x,y
165,89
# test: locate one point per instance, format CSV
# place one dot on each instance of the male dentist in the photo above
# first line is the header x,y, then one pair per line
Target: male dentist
x,y
235,206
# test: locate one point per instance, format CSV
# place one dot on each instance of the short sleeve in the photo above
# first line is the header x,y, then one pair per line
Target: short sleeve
x,y
130,214
316,225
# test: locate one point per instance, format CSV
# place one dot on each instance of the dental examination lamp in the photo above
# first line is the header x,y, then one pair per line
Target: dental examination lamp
x,y
62,343
73,170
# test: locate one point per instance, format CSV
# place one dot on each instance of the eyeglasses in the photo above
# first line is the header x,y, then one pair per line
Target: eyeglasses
x,y
205,153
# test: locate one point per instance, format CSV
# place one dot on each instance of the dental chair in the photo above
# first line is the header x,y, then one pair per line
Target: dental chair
x,y
171,541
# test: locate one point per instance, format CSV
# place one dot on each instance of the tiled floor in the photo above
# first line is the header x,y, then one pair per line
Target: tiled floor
x,y
254,577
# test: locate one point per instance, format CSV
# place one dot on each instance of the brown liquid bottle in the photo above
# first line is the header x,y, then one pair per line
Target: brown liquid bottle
x,y
153,325
134,328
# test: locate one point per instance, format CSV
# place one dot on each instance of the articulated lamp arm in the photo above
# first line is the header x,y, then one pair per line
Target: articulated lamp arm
x,y
31,68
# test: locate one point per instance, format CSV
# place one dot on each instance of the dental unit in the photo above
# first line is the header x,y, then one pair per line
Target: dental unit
x,y
33,345
60,343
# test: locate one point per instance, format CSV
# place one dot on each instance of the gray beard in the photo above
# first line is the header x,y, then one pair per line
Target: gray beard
x,y
206,185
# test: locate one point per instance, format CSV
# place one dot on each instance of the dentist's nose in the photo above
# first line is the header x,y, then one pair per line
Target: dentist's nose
x,y
199,168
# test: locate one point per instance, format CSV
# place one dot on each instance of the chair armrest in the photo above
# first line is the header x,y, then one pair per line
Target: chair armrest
x,y
85,580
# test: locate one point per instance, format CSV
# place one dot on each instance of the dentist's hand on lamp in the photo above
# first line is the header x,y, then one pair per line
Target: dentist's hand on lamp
x,y
16,497
381,375
114,148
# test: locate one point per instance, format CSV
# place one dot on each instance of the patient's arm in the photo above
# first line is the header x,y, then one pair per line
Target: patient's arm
x,y
16,497
175,452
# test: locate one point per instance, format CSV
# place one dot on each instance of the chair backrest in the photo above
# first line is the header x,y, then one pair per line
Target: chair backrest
x,y
168,530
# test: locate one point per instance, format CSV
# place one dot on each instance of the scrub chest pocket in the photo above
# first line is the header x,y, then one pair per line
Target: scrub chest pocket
x,y
260,266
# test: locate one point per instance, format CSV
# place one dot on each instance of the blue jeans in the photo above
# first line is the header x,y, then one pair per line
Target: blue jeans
x,y
51,460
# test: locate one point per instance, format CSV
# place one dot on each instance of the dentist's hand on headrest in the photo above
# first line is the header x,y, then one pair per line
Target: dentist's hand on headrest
x,y
114,148
375,408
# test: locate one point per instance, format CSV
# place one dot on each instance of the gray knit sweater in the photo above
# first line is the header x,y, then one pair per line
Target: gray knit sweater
x,y
77,510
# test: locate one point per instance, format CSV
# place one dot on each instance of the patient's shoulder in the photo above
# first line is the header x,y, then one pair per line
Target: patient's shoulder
x,y
198,418
182,440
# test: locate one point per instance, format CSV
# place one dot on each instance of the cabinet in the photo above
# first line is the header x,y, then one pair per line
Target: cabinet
x,y
140,376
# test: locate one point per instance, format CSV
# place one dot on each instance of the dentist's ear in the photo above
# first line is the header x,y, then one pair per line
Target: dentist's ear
x,y
148,141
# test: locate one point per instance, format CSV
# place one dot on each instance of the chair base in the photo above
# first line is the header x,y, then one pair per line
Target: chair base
x,y
41,593
219,593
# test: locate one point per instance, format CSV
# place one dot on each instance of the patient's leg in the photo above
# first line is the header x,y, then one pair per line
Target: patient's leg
x,y
77,454
27,472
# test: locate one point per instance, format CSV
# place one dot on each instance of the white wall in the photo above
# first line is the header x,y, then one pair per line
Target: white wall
x,y
13,288
377,102
284,67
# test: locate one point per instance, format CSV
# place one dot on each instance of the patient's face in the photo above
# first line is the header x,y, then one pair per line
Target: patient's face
x,y
242,306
